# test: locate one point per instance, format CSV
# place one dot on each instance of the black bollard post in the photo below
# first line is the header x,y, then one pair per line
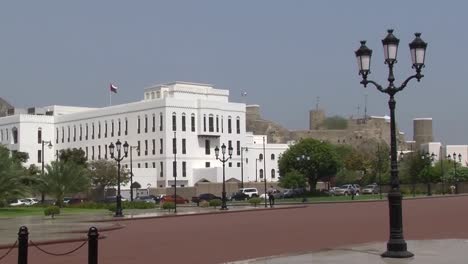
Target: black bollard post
x,y
23,237
93,245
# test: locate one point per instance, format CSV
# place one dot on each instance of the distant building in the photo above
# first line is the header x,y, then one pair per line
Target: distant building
x,y
191,119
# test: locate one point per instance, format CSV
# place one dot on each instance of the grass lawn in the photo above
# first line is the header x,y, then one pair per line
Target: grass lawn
x,y
333,198
31,211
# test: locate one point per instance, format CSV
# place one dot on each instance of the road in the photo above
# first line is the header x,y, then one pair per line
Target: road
x,y
218,238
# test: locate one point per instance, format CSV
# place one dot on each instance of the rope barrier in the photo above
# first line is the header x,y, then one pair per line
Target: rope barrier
x,y
58,254
9,250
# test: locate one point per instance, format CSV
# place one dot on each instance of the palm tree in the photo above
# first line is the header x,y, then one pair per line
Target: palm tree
x,y
65,178
11,176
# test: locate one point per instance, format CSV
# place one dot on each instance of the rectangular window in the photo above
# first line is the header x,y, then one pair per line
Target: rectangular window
x,y
92,131
238,164
222,125
204,123
146,124
112,128
99,152
174,169
126,126
63,134
193,123
105,151
230,164
92,153
207,147
105,129
184,147
118,129
154,165
86,152
138,125
74,133
68,130
184,169
210,124
39,136
154,123
154,146
56,138
207,164
161,166
146,147
174,146
174,123
86,137
39,156
183,123
229,144
138,165
160,122
146,165
161,146
238,148
238,126
229,125
139,147
217,124
99,130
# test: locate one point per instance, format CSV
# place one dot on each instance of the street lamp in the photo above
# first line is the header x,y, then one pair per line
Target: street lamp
x,y
223,160
396,245
174,170
429,160
264,172
131,170
242,165
43,142
301,159
455,178
119,158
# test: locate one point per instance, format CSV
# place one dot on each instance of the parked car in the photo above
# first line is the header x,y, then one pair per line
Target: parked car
x,y
205,197
239,196
370,189
251,192
19,202
113,199
147,199
347,189
32,200
172,198
289,193
276,193
70,200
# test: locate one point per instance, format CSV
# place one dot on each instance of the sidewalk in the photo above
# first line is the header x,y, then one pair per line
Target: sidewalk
x,y
453,251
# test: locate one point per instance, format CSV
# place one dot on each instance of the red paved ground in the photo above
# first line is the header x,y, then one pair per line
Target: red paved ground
x,y
219,238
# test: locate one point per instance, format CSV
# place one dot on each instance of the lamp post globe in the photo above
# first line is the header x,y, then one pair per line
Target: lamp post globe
x,y
396,245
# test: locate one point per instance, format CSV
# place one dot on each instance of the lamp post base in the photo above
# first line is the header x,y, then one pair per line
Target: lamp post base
x,y
396,248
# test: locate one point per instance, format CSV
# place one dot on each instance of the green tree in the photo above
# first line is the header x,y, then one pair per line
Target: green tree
x,y
21,157
323,160
293,179
65,178
103,173
11,176
77,156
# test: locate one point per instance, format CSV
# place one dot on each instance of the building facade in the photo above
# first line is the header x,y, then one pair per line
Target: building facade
x,y
173,130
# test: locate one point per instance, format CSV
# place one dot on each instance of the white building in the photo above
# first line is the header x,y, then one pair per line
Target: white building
x,y
190,118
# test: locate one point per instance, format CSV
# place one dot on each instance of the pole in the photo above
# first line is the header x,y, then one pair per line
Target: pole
x,y
175,172
223,206
93,236
378,170
42,171
242,167
264,172
23,237
131,174
118,210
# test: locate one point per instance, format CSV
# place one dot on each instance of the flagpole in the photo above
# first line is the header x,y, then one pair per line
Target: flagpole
x,y
110,98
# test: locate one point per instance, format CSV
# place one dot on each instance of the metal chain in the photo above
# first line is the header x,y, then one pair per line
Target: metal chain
x,y
9,250
58,254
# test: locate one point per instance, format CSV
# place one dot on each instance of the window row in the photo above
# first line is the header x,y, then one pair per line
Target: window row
x,y
260,156
208,147
215,123
91,131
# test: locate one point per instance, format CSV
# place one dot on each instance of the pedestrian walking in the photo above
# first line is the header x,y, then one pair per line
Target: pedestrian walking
x,y
353,192
271,197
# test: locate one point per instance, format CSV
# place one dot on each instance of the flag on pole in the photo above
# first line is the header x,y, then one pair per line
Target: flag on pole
x,y
113,88
244,93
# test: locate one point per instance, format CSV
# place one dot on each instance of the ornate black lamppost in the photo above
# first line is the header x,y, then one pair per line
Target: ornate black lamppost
x,y
174,170
454,159
264,172
131,170
223,160
396,245
303,159
242,165
429,159
49,144
119,158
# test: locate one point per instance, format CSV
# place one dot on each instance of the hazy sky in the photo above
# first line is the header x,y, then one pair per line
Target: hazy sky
x,y
283,53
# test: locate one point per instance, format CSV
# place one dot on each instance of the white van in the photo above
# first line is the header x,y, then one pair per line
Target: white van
x,y
251,192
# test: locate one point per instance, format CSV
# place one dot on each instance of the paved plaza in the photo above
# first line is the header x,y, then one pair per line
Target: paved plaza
x,y
291,235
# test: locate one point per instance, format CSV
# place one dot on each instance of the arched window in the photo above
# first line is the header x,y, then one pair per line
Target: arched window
x,y
192,122
272,156
14,132
260,157
160,122
174,121
261,173
229,125
272,173
184,127
238,125
211,123
138,125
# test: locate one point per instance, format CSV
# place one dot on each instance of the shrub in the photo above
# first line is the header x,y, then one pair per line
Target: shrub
x,y
215,202
255,201
204,203
168,205
137,205
52,211
89,205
